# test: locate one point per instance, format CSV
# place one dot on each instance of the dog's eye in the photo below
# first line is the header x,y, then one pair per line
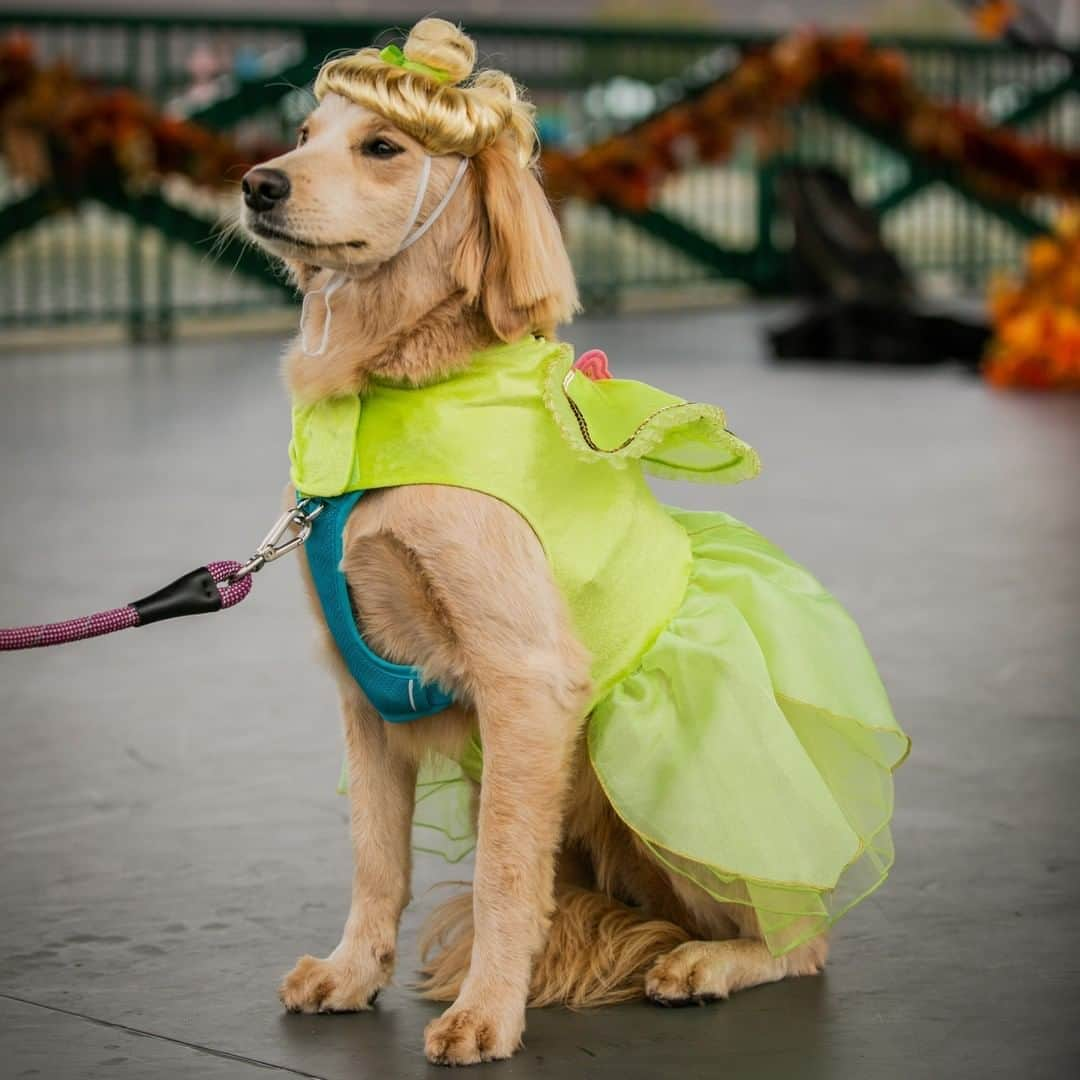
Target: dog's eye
x,y
380,148
302,136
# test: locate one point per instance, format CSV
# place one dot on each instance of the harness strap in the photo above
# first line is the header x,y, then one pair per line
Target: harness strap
x,y
397,691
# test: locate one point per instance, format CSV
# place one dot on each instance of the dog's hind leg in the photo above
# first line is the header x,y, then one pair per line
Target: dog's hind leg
x,y
731,957
381,793
701,971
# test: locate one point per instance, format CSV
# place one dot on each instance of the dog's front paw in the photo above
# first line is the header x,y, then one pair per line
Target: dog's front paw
x,y
467,1036
331,985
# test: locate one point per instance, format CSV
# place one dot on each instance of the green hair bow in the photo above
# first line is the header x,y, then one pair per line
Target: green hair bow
x,y
392,54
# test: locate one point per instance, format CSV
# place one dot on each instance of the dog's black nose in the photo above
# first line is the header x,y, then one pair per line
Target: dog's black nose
x,y
264,188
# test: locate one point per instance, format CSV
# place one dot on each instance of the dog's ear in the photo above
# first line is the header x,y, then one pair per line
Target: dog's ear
x,y
513,260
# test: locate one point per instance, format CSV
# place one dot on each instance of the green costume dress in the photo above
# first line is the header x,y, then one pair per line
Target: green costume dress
x,y
738,725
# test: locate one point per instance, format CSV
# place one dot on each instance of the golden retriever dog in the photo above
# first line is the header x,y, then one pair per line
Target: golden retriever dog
x,y
566,904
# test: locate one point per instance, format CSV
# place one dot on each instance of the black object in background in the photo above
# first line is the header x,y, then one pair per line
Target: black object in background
x,y
863,306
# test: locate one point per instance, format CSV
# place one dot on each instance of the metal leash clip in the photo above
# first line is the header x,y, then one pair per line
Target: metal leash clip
x,y
301,516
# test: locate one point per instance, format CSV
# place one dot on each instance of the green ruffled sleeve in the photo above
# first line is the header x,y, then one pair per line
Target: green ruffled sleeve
x,y
620,420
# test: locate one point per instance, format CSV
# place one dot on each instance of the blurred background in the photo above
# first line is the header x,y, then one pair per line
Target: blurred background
x,y
852,224
925,142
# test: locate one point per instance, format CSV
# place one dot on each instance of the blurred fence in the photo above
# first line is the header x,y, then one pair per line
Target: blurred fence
x,y
150,261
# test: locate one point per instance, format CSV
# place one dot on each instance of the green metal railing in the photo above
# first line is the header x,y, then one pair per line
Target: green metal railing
x,y
151,259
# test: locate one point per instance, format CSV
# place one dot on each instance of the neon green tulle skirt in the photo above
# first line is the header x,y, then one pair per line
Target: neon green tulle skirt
x,y
751,750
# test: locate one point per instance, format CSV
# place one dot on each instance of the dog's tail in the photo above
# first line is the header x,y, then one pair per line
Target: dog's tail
x,y
597,950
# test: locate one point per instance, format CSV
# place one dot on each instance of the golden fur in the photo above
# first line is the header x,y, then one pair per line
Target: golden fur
x,y
566,904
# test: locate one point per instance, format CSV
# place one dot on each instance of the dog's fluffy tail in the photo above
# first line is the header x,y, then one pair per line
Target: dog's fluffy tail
x,y
597,950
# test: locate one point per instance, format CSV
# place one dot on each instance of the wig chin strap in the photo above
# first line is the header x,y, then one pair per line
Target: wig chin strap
x,y
425,175
337,278
333,283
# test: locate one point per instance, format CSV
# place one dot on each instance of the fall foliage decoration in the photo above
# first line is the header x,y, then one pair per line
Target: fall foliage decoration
x,y
61,129
993,17
1036,343
872,83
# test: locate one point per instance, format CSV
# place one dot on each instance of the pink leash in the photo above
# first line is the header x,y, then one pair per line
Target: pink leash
x,y
124,618
213,587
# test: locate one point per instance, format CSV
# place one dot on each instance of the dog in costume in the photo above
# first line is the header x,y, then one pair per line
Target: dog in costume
x,y
670,740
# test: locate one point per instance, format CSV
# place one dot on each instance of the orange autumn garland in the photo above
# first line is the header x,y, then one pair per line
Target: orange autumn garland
x,y
874,84
1036,320
58,126
61,129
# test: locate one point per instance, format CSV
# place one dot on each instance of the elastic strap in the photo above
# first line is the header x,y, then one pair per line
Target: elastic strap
x,y
442,204
421,191
335,281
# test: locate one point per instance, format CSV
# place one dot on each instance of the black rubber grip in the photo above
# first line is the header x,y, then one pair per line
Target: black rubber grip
x,y
192,594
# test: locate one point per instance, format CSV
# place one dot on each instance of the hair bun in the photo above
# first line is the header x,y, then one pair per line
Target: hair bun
x,y
441,44
498,82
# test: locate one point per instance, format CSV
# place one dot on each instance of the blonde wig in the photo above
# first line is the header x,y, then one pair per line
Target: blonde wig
x,y
431,93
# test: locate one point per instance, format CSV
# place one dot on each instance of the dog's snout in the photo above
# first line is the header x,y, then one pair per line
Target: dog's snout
x,y
264,188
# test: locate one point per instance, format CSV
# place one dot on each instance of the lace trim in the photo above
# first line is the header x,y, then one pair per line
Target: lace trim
x,y
648,435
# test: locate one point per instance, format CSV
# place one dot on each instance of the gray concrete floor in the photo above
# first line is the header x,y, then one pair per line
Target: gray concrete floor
x,y
170,839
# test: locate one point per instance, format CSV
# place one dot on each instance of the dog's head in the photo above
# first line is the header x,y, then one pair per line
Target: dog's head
x,y
353,191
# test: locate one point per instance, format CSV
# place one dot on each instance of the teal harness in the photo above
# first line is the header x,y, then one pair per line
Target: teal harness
x,y
395,690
